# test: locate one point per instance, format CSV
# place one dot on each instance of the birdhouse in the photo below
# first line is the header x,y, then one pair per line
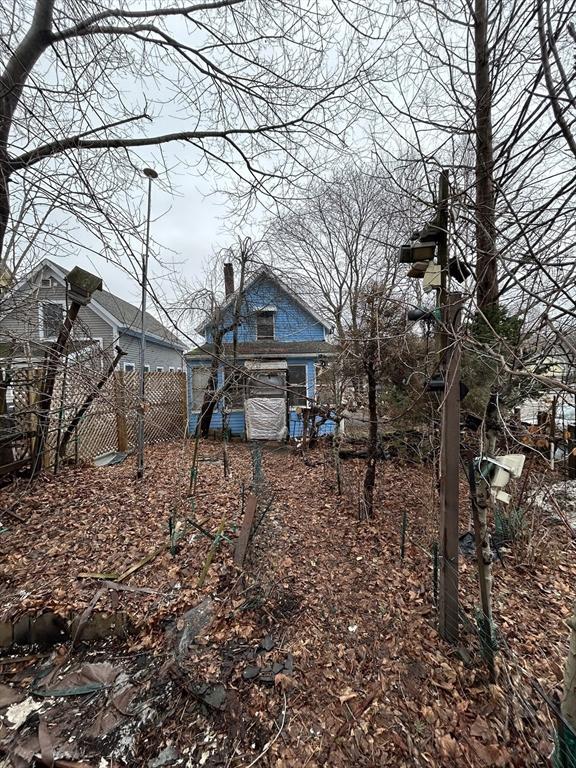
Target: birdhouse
x,y
405,254
418,269
502,469
423,251
430,234
81,285
458,270
432,277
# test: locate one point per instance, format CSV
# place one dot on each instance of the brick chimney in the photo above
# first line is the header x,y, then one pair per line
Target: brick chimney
x,y
229,279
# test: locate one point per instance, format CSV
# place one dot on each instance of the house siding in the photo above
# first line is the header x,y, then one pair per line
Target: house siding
x,y
156,354
20,320
236,421
291,321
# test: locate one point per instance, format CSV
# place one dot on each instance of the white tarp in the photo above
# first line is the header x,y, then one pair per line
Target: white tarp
x,y
265,418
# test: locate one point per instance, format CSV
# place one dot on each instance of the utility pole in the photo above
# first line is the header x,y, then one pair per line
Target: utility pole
x,y
150,173
450,472
450,305
432,244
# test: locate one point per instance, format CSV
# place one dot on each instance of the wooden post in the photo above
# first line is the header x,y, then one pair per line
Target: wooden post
x,y
450,475
449,348
47,387
121,426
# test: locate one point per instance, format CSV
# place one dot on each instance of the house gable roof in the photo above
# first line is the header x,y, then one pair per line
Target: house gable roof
x,y
117,311
266,272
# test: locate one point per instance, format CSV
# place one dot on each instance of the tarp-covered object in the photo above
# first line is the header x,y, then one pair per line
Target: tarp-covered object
x,y
265,418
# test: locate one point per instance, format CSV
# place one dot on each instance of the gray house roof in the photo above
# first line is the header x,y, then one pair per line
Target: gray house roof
x,y
125,315
128,317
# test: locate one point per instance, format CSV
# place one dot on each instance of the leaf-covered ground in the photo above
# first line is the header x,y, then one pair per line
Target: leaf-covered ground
x,y
324,649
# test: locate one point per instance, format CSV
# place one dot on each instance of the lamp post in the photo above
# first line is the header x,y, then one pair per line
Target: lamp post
x,y
150,173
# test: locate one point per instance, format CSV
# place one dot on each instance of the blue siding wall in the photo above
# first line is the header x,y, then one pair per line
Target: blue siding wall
x,y
236,420
292,322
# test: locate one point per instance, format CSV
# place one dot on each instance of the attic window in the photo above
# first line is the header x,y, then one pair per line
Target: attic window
x,y
264,325
46,282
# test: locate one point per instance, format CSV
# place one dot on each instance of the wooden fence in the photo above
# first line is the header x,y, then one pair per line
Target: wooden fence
x,y
110,424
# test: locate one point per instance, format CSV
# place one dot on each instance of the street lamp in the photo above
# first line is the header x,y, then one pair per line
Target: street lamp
x,y
150,173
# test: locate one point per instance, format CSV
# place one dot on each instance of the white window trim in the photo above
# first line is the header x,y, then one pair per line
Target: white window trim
x,y
129,370
292,408
159,369
146,368
171,369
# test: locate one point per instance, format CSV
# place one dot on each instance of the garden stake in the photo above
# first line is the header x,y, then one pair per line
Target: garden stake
x,y
211,552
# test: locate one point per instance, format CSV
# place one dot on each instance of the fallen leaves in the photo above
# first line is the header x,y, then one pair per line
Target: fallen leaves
x,y
372,683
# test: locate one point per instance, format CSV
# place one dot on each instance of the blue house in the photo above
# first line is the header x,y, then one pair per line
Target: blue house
x,y
280,348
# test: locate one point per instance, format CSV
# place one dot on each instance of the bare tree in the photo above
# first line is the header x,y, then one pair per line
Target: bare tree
x,y
339,239
252,84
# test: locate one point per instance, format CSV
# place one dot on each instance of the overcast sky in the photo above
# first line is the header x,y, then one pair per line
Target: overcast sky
x,y
190,224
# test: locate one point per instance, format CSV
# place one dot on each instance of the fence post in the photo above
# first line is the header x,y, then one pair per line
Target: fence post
x,y
120,402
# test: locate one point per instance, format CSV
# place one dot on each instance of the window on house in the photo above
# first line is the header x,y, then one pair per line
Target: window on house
x,y
129,367
297,385
52,318
46,282
146,369
236,389
200,378
159,369
171,369
265,325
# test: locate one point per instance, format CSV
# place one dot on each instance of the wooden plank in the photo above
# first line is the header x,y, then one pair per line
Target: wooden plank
x,y
245,530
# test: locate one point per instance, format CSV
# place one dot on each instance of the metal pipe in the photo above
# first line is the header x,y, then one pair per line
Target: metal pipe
x,y
150,174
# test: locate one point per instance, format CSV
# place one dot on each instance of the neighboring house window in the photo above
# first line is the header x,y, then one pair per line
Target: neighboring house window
x,y
200,379
52,318
129,367
46,282
171,369
297,385
146,369
265,325
159,369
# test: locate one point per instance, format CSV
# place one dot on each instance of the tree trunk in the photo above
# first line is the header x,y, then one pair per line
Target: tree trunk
x,y
370,476
209,401
486,262
369,358
12,81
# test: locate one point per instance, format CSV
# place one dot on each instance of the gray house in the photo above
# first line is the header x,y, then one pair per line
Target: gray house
x,y
31,314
